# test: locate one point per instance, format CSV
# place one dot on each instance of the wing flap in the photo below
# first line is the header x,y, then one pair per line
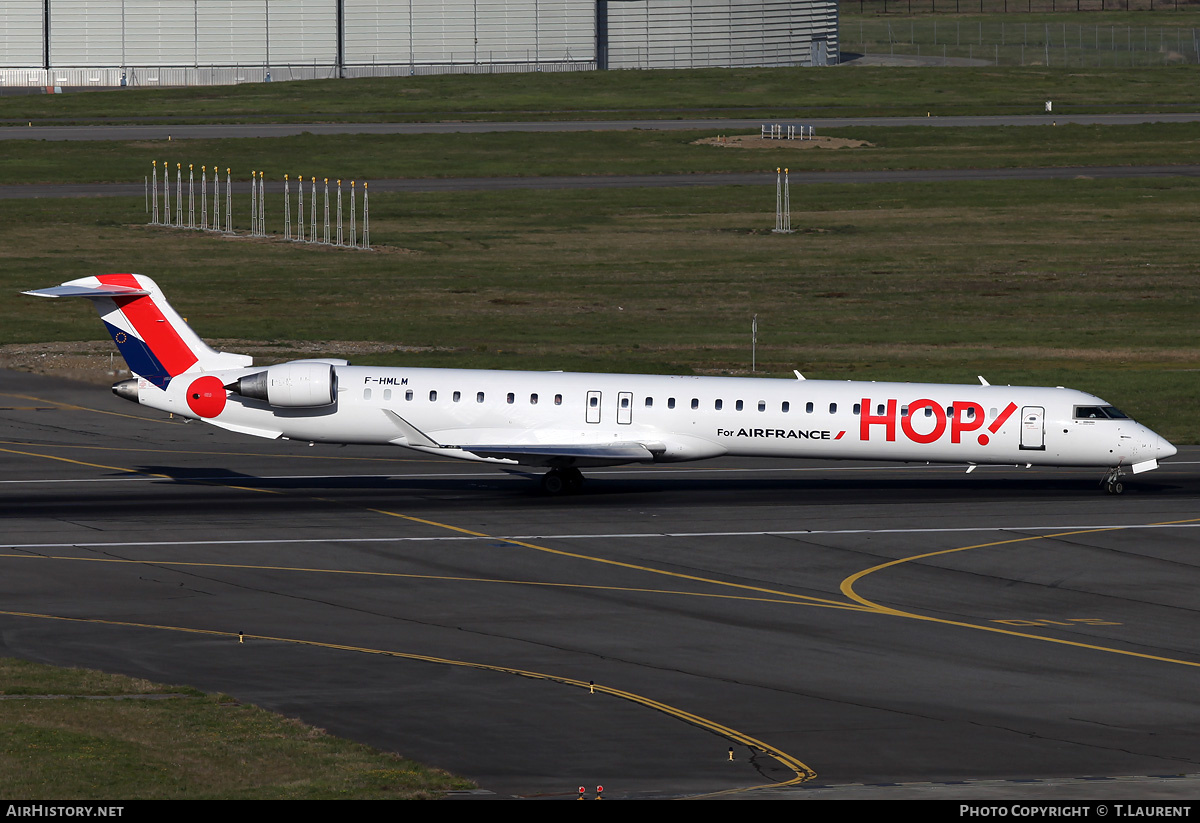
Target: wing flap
x,y
608,454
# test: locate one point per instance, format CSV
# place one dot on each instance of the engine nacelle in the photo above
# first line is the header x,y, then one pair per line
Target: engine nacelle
x,y
300,384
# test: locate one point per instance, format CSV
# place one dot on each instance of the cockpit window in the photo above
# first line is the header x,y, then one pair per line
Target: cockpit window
x,y
1099,413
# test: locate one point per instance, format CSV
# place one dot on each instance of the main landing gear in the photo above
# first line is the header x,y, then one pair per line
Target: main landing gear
x,y
1112,482
562,481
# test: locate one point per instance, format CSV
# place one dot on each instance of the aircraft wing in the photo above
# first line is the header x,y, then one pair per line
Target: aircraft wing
x,y
529,454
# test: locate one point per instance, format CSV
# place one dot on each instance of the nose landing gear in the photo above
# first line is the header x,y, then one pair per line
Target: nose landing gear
x,y
1112,482
562,481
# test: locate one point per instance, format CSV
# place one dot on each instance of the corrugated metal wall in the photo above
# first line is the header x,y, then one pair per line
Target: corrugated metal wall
x,y
664,34
21,34
469,31
223,41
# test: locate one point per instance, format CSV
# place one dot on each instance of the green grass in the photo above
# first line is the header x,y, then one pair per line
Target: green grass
x,y
181,744
1116,41
501,154
754,93
1084,283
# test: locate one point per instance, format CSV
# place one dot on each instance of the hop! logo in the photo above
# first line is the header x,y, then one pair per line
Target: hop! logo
x,y
966,417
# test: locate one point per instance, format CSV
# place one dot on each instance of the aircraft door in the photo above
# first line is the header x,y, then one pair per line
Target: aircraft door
x,y
1033,428
625,408
593,407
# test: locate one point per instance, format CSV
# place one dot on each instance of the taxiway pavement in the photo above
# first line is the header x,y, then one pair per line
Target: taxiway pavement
x,y
900,624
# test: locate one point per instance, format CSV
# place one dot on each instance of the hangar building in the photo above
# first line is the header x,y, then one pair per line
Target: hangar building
x,y
202,42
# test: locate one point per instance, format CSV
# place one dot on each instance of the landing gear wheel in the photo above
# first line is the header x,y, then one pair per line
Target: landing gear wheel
x,y
574,480
1112,483
553,483
562,481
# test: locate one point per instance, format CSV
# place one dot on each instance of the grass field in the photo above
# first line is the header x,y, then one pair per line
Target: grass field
x,y
503,154
174,743
765,93
1083,283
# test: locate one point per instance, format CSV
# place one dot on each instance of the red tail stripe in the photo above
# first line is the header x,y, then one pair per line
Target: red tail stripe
x,y
1004,415
151,326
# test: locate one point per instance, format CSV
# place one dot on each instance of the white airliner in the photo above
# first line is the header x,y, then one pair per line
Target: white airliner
x,y
564,421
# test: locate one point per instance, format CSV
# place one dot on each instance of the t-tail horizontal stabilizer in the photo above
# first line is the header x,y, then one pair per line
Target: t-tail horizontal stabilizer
x,y
154,340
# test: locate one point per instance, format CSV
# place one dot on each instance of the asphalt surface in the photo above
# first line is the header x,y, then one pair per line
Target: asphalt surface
x,y
449,612
227,130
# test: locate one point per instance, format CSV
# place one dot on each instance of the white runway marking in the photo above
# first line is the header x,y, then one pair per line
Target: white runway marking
x,y
606,536
493,475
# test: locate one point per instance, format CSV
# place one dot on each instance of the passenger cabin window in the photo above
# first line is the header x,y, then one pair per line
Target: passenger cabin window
x,y
593,402
456,396
695,403
762,405
533,399
479,397
929,411
738,405
408,395
880,409
786,407
808,408
433,396
904,411
558,399
717,404
649,402
833,408
387,394
857,408
366,394
624,402
670,402
511,398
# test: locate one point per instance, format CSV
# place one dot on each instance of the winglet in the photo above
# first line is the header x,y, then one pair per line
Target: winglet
x,y
982,381
799,376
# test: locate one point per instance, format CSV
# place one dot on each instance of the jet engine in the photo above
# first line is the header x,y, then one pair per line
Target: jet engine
x,y
298,384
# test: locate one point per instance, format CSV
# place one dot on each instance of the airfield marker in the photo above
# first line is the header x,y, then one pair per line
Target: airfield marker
x,y
300,210
339,212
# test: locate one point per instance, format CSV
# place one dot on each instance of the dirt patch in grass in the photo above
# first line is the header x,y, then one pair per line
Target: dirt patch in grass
x,y
754,141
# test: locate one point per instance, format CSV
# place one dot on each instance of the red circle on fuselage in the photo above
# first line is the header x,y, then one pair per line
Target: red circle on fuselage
x,y
206,396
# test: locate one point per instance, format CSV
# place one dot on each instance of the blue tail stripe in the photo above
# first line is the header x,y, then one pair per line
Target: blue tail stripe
x,y
138,356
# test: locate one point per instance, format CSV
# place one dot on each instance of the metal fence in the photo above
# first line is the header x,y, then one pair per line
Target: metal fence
x,y
1022,44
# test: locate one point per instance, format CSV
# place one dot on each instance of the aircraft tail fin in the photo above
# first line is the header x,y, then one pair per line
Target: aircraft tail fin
x,y
154,340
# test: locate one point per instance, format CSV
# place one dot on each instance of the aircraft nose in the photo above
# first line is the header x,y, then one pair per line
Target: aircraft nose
x,y
1165,449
